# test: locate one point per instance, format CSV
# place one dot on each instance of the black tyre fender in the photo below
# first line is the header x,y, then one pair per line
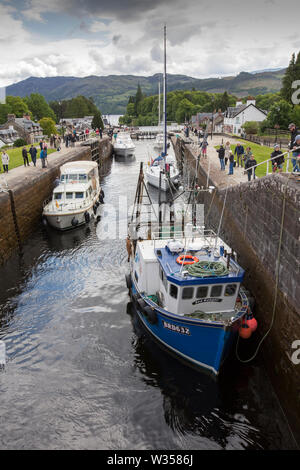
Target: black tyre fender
x,y
95,208
87,217
44,221
102,193
101,199
74,222
128,281
151,315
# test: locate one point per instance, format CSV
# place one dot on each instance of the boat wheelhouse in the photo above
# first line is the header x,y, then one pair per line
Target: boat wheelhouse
x,y
76,197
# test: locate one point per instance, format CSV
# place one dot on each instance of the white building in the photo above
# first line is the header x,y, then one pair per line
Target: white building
x,y
235,117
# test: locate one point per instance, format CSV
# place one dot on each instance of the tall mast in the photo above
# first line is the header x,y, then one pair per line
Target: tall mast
x,y
159,101
165,90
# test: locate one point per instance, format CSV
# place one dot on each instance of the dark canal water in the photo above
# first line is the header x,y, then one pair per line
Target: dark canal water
x,y
81,371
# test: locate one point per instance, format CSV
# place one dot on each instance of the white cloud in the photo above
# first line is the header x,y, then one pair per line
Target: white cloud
x,y
204,38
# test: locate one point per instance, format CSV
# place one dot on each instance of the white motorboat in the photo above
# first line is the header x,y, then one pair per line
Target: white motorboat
x,y
77,196
123,146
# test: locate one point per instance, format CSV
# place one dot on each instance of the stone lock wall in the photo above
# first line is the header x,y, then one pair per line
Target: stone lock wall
x,y
252,226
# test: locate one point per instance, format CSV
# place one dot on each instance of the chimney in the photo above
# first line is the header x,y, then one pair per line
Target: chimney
x,y
251,102
238,103
11,117
26,116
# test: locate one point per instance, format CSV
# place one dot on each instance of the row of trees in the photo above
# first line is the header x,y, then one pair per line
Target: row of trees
x,y
48,115
181,105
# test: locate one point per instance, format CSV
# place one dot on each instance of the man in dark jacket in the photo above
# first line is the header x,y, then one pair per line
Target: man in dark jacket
x,y
293,146
25,156
33,153
277,159
248,166
221,152
239,152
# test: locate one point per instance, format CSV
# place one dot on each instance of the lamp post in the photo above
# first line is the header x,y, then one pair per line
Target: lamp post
x,y
212,116
61,119
277,126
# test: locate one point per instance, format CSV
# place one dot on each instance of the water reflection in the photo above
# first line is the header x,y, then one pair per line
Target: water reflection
x,y
220,411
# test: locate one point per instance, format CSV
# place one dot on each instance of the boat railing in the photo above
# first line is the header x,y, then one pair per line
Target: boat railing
x,y
68,205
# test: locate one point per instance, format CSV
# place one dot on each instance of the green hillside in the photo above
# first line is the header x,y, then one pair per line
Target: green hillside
x,y
111,93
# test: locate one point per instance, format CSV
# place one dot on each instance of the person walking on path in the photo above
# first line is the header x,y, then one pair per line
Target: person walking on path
x,y
231,163
239,152
203,147
247,155
296,154
221,152
227,151
248,166
41,144
100,131
25,156
5,161
33,153
43,158
293,146
278,161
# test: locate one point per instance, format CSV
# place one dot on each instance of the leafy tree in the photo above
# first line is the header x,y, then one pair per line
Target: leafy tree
x,y
251,127
280,114
48,126
5,109
20,143
39,107
292,74
17,105
97,122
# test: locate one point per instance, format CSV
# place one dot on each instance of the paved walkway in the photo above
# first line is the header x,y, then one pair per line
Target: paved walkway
x,y
211,163
20,174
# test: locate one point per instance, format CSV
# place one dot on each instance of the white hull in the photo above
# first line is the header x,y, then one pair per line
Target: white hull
x,y
66,220
124,152
153,179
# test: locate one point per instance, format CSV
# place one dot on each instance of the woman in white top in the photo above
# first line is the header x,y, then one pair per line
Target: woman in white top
x,y
227,151
5,161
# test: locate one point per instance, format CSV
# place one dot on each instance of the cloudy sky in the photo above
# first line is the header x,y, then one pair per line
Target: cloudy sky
x,y
95,37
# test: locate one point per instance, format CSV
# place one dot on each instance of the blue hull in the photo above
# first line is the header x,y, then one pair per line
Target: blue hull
x,y
201,343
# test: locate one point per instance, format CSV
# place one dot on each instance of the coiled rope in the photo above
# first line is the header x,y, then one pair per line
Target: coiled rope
x,y
207,269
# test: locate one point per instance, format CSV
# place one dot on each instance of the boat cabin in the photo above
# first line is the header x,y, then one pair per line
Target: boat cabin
x,y
158,273
79,182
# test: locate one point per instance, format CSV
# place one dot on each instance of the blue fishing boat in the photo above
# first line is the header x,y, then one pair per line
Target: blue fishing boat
x,y
187,292
184,281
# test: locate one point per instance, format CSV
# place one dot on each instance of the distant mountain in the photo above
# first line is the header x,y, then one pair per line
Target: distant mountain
x,y
111,93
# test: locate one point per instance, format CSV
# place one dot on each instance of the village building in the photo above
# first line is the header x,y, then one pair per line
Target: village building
x,y
235,117
23,128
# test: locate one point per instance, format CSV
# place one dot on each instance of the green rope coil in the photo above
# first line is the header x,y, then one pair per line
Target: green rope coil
x,y
207,269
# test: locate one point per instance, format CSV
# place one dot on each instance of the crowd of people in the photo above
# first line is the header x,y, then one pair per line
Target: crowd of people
x,y
243,157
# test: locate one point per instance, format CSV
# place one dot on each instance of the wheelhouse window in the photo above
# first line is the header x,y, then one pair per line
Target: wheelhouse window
x,y
69,195
82,177
230,290
79,195
173,291
187,293
216,291
57,196
202,292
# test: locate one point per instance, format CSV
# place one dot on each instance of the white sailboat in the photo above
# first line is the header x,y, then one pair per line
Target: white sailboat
x,y
162,171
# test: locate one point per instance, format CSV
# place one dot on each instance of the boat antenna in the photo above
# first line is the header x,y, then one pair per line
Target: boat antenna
x,y
221,218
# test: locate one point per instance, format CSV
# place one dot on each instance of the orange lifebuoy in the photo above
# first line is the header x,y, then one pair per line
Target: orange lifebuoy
x,y
193,259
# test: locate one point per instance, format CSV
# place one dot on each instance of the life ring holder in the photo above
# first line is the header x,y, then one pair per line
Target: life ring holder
x,y
182,259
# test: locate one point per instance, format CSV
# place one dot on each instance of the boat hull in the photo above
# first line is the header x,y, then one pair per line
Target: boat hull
x,y
154,181
72,219
124,152
202,344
